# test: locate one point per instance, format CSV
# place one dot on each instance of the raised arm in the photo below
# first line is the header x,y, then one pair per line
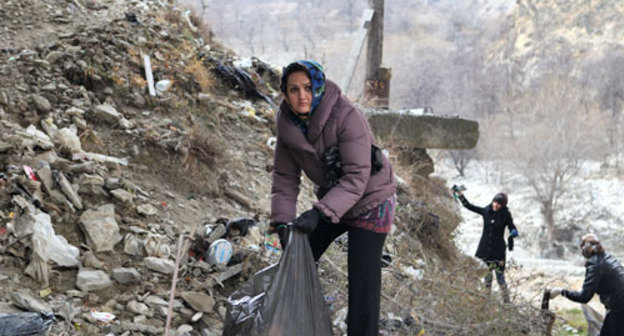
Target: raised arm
x,y
470,206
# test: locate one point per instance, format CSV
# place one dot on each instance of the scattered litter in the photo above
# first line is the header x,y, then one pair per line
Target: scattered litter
x,y
25,324
238,79
45,292
207,230
186,14
30,173
244,63
386,260
68,137
239,226
271,242
219,253
102,316
413,273
162,86
132,18
45,242
272,142
149,76
98,158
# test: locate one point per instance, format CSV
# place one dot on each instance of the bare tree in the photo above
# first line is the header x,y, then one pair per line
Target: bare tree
x,y
606,75
204,6
559,133
461,158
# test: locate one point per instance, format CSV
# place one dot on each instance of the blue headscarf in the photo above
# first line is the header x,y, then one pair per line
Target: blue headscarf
x,y
317,81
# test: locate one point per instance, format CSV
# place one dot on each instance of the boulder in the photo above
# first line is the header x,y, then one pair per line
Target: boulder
x,y
90,280
126,275
165,266
198,301
106,113
100,228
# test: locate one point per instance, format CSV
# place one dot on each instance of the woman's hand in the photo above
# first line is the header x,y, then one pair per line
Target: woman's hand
x,y
554,292
281,229
308,220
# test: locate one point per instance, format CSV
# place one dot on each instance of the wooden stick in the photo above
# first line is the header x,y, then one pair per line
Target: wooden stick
x,y
173,284
356,49
174,280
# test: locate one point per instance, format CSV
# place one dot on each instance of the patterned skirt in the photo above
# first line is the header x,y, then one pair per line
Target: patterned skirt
x,y
378,220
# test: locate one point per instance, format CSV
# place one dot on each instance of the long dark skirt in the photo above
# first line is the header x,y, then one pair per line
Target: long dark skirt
x,y
613,324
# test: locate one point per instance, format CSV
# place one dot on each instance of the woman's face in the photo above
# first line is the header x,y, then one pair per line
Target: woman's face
x,y
496,206
299,93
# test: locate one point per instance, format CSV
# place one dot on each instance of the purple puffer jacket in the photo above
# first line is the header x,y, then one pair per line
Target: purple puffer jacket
x,y
336,121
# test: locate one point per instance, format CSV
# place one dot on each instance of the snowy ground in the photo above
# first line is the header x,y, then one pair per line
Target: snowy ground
x,y
595,205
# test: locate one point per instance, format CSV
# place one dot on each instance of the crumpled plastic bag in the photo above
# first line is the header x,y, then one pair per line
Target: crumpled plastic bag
x,y
25,324
68,137
281,300
45,242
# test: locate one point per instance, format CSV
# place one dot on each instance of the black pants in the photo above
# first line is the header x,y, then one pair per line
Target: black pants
x,y
499,269
364,264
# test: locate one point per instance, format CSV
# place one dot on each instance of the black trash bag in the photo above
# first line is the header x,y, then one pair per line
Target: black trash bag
x,y
510,243
281,300
240,80
239,226
25,324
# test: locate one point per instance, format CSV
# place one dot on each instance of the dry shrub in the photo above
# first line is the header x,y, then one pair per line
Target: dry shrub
x,y
200,74
174,17
201,146
427,211
190,162
452,301
204,30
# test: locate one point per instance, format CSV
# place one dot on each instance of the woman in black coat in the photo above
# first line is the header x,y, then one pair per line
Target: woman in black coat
x,y
604,276
496,217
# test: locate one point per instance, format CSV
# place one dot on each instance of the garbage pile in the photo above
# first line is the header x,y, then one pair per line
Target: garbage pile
x,y
84,247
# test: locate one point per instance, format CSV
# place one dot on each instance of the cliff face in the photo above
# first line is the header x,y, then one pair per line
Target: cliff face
x,y
584,29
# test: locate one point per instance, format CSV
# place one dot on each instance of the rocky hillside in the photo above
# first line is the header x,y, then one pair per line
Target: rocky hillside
x,y
99,178
558,29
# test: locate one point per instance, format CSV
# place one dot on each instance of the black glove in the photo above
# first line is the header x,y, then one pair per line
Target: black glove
x,y
282,231
308,220
510,243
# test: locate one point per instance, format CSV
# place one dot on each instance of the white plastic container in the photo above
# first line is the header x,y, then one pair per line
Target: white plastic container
x,y
219,253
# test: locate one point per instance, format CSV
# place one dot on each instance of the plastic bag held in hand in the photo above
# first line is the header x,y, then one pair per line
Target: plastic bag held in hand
x,y
281,300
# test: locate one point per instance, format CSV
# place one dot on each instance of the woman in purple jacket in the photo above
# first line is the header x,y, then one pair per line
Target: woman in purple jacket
x,y
322,134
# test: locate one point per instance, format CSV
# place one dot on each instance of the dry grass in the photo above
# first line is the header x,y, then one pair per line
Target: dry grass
x,y
191,161
173,17
138,81
204,147
200,74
